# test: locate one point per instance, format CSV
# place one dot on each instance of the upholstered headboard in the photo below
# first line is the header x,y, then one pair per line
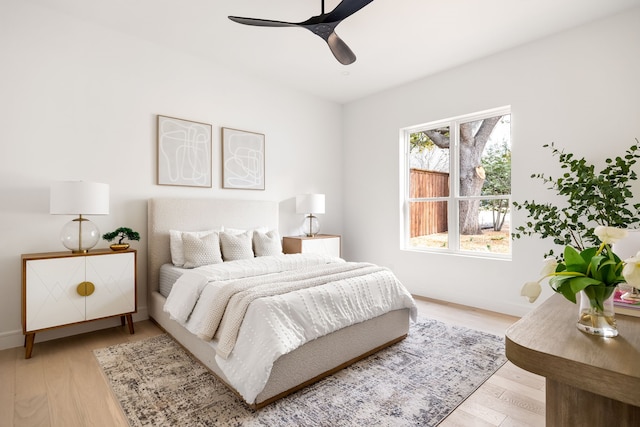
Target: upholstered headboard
x,y
166,214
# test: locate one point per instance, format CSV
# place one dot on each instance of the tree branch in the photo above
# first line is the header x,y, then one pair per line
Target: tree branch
x,y
485,129
440,139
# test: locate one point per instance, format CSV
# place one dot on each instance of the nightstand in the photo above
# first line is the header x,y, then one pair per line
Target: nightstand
x,y
327,244
63,288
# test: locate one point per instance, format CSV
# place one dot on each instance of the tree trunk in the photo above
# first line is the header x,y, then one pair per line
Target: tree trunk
x,y
471,171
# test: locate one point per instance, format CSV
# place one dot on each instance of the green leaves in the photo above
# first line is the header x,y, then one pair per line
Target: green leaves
x,y
598,295
121,233
574,260
596,271
590,199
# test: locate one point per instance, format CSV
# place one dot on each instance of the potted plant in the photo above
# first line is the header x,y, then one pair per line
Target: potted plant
x,y
594,215
121,234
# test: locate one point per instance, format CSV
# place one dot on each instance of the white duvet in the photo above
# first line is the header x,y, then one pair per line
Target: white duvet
x,y
277,324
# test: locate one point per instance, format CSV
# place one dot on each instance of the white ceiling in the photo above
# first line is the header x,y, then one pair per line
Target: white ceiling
x,y
395,41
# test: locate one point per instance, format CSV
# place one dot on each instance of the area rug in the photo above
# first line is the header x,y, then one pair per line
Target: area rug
x,y
416,382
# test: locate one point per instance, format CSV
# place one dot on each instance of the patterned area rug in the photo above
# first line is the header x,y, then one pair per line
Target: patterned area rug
x,y
416,382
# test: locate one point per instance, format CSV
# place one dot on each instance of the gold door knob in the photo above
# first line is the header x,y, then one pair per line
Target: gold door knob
x,y
85,289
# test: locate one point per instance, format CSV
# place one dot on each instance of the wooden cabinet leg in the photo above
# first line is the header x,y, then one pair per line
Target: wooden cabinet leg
x,y
130,322
28,343
122,320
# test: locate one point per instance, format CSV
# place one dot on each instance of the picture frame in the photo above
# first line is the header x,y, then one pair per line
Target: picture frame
x,y
243,159
184,152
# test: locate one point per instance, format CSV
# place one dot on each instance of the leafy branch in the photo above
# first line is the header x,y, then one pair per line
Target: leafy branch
x,y
591,199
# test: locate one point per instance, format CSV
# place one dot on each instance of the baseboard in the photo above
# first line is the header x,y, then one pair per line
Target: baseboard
x,y
11,339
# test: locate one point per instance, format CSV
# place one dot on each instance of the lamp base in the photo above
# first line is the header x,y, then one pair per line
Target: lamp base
x,y
80,235
311,226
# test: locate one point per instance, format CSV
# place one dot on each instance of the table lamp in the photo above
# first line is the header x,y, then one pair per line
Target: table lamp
x,y
310,204
79,198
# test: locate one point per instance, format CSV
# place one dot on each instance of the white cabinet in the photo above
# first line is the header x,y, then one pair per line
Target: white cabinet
x,y
327,244
63,288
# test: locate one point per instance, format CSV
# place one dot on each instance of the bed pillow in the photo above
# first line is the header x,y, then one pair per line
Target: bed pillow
x,y
203,250
266,244
176,246
236,246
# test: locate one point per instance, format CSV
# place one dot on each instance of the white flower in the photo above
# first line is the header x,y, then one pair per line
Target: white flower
x,y
609,235
550,265
631,270
531,290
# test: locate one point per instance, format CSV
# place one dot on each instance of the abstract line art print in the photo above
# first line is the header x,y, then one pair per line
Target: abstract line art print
x,y
242,159
184,152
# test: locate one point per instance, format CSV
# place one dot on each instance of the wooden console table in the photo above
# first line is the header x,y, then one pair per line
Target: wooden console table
x,y
590,381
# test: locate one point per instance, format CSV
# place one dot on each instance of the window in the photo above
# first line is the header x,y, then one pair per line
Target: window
x,y
457,185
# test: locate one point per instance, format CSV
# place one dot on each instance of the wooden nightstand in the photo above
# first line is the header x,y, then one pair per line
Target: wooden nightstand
x,y
327,244
63,288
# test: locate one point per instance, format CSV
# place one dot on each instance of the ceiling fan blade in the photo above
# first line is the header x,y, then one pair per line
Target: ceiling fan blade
x,y
345,9
340,50
261,22
322,25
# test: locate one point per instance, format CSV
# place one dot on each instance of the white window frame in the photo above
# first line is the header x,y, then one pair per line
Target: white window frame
x,y
454,191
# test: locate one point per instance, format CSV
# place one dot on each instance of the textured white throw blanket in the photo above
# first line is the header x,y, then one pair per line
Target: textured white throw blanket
x,y
236,297
187,289
277,323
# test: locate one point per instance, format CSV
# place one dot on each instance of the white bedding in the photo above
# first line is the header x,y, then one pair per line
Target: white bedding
x,y
169,273
278,324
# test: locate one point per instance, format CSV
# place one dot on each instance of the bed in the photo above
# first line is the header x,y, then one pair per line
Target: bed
x,y
309,362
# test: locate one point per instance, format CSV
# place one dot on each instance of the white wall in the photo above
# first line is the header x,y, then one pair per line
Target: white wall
x,y
579,89
79,102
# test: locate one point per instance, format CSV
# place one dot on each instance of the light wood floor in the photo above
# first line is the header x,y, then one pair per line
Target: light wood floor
x,y
512,396
62,384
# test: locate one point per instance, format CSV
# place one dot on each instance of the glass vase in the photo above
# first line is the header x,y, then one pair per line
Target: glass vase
x,y
595,320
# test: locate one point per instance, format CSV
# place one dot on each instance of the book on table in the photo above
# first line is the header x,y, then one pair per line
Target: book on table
x,y
630,307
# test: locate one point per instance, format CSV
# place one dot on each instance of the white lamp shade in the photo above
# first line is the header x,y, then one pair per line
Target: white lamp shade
x,y
310,204
79,198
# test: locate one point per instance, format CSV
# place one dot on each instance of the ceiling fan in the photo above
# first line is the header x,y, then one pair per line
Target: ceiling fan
x,y
322,25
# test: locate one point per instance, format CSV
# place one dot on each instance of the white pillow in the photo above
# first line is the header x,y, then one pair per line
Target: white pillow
x,y
236,246
265,244
203,250
176,246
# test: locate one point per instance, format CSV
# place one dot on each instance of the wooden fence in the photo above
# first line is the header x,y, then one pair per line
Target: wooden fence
x,y
428,217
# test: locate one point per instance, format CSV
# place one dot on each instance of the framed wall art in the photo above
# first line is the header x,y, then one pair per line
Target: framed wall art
x,y
242,159
184,152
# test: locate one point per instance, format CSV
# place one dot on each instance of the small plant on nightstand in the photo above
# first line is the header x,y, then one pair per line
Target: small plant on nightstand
x,y
121,234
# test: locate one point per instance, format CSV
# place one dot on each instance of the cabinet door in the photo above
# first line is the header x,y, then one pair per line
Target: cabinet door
x,y
323,245
114,279
51,296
